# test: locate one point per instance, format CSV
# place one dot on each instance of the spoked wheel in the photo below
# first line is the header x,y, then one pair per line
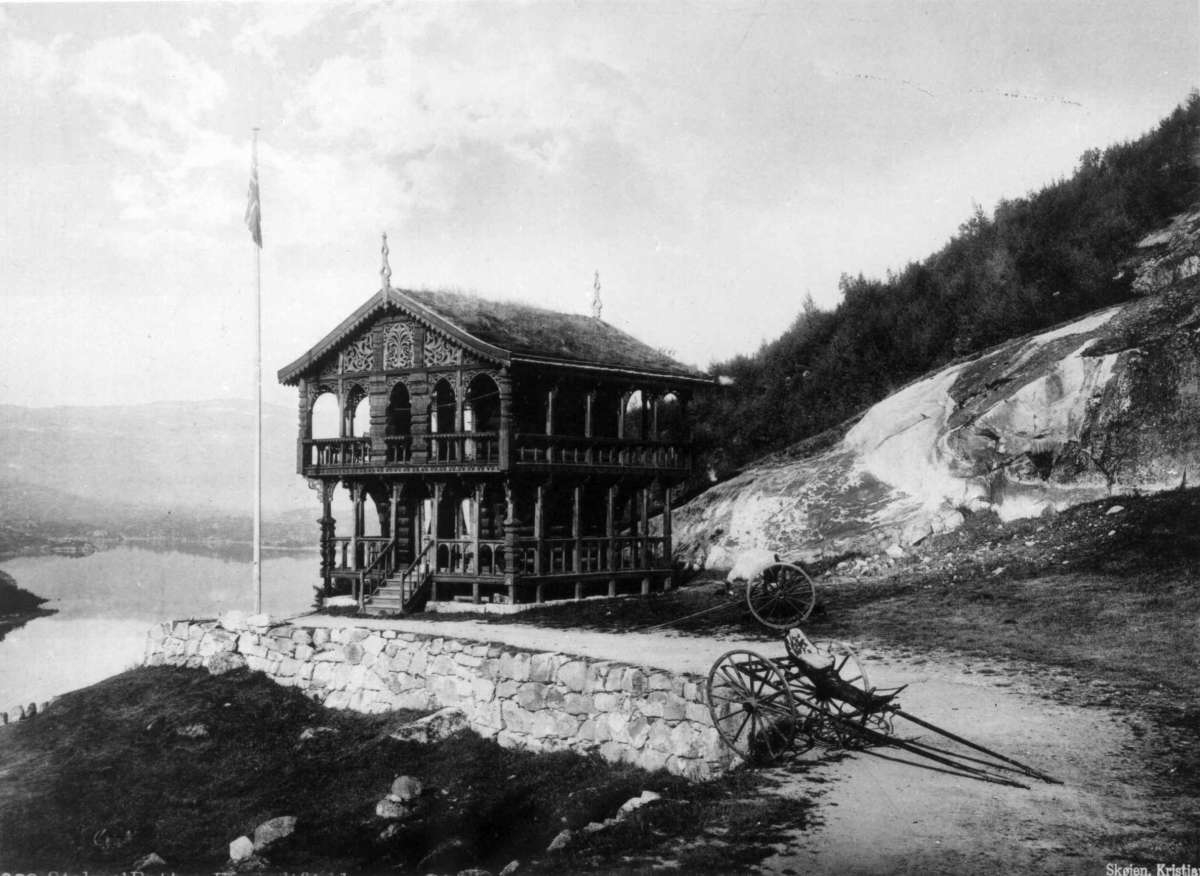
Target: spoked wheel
x,y
830,719
751,706
782,596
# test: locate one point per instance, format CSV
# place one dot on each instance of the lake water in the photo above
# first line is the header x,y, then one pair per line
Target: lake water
x,y
106,602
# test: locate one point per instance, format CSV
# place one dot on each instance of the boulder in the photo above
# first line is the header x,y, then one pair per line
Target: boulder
x,y
309,733
391,810
149,862
749,564
561,840
273,830
511,867
634,803
405,789
440,725
241,849
192,731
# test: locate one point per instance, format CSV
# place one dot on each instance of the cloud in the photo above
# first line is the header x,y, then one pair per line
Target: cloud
x,y
144,74
275,24
198,27
33,63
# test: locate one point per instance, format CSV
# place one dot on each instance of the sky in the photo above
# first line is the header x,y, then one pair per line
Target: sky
x,y
715,162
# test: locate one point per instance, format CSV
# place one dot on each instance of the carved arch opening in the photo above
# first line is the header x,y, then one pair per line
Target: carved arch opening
x,y
324,415
443,408
357,412
481,405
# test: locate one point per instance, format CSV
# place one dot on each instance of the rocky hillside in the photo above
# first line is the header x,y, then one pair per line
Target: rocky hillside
x,y
1104,405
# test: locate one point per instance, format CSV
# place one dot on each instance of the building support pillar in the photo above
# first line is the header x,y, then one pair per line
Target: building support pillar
x,y
504,383
644,532
328,527
610,532
577,534
668,549
539,521
433,533
510,541
478,569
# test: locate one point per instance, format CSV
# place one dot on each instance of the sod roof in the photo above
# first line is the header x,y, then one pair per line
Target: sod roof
x,y
507,332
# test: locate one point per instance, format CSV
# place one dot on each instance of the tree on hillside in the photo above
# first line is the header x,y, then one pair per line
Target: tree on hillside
x,y
1036,261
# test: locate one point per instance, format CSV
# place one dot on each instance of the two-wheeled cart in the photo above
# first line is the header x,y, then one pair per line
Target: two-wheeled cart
x,y
763,708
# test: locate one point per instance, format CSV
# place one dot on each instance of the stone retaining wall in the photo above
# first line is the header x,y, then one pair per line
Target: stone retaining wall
x,y
523,699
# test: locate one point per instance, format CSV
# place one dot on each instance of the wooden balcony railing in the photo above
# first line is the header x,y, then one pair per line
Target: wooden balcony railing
x,y
483,448
457,557
337,451
399,448
532,447
465,447
368,551
620,554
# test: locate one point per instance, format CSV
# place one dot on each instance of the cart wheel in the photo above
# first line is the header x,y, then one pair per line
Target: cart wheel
x,y
782,596
834,722
751,706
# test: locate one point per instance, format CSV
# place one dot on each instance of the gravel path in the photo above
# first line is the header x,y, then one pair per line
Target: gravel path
x,y
876,815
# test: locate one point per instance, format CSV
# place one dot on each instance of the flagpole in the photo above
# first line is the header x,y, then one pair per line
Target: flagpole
x,y
257,406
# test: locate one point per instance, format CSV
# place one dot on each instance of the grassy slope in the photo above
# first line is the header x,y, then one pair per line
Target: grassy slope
x,y
102,778
1113,595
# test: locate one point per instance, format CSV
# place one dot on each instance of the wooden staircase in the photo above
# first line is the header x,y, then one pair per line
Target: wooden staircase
x,y
405,592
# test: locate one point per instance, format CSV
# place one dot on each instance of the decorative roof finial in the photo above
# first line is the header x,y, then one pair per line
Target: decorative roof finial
x,y
596,305
386,270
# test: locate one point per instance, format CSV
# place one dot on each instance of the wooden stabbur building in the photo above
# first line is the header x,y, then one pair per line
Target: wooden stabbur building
x,y
508,453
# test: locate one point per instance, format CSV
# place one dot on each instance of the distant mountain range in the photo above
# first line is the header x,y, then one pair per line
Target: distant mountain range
x,y
162,468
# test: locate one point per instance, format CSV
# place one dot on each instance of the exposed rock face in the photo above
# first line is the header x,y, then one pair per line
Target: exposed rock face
x,y
1107,404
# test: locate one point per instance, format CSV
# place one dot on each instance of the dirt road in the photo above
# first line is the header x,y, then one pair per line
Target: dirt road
x,y
878,816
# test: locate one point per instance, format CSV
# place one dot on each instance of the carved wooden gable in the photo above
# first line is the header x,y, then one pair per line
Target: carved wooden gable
x,y
399,346
357,356
441,351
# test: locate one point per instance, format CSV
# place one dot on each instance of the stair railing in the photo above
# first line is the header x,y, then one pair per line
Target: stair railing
x,y
406,586
377,572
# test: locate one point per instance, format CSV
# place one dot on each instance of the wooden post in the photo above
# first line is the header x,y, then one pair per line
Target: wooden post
x,y
356,497
397,498
506,422
305,427
644,531
458,401
328,525
668,550
510,541
475,541
610,531
577,534
539,509
433,533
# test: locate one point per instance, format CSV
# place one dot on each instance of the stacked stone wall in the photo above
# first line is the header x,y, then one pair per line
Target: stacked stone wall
x,y
523,699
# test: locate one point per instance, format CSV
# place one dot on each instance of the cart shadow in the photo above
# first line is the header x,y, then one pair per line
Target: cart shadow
x,y
803,764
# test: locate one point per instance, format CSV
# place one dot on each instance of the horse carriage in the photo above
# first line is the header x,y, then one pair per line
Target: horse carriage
x,y
813,696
